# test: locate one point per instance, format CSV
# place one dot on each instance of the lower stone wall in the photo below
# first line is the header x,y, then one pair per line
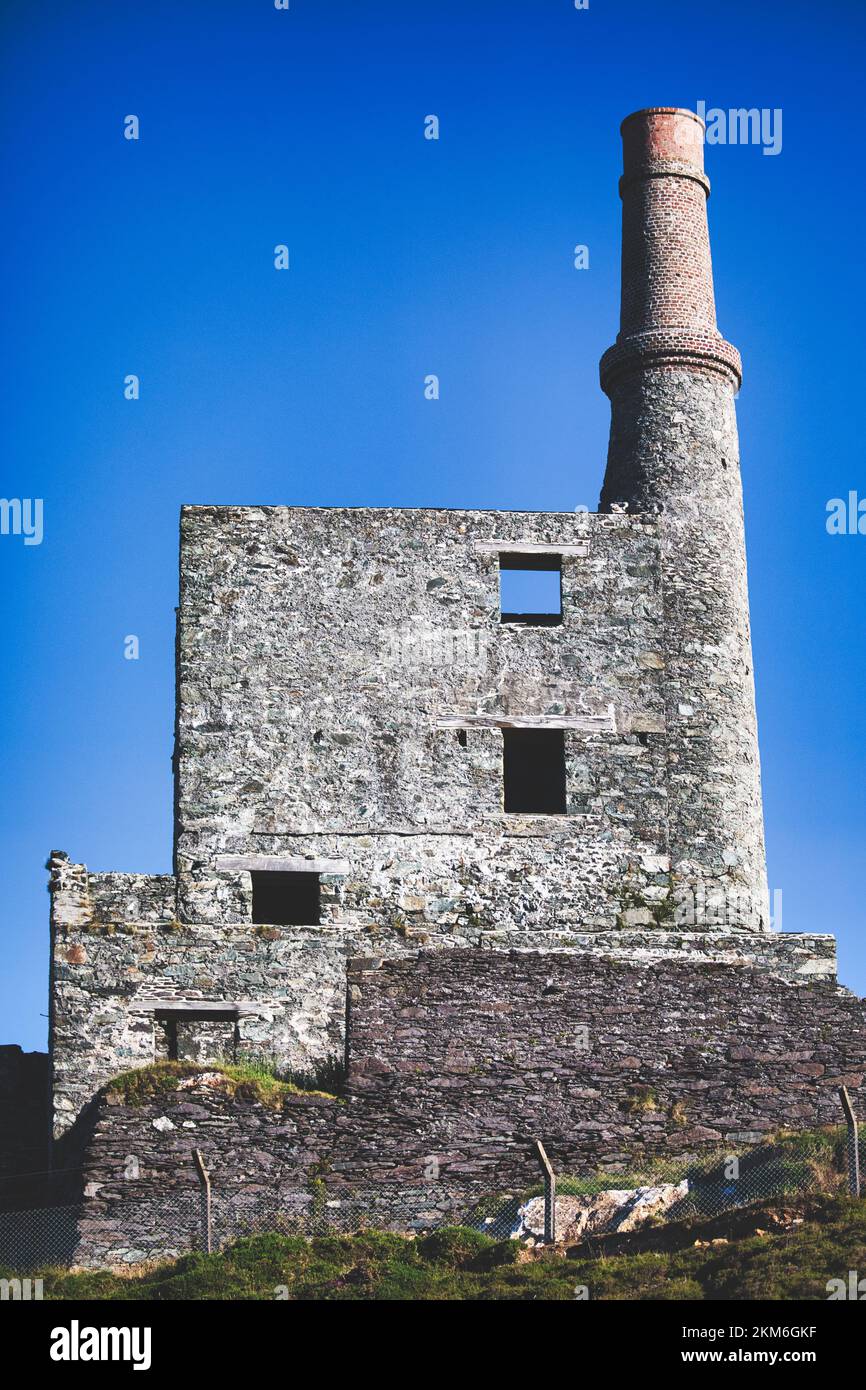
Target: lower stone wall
x,y
111,993
602,1059
459,1059
141,1192
122,961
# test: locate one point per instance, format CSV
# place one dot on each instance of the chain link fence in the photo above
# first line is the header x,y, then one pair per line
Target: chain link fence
x,y
130,1230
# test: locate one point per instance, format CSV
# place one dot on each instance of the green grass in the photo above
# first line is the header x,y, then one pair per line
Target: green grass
x,y
788,1163
461,1264
252,1080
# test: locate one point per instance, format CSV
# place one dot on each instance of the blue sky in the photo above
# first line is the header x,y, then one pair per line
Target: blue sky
x,y
408,257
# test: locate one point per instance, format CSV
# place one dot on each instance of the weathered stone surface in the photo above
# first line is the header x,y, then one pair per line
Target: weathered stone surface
x,y
599,1054
314,720
604,977
674,454
446,1089
625,1209
111,976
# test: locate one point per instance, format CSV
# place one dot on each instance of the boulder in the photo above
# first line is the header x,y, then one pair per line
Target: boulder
x,y
600,1213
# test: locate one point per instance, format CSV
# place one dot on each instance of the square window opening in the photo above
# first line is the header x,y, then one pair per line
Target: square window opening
x,y
284,899
530,590
182,1036
533,765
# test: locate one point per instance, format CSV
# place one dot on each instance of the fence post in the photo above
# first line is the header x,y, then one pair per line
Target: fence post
x,y
853,1143
549,1193
204,1179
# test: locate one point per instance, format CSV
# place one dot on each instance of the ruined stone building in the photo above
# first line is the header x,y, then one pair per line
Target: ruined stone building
x,y
386,766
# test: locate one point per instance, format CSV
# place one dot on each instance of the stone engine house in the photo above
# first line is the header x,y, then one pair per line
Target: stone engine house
x,y
382,755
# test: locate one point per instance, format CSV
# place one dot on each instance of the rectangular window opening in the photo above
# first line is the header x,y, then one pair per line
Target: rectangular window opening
x,y
530,589
286,899
185,1036
533,765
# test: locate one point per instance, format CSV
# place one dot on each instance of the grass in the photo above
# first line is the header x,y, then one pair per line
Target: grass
x,y
788,1163
253,1080
461,1264
642,1099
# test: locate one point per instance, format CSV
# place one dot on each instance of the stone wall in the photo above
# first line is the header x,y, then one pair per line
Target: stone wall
x,y
121,962
141,1191
602,1059
457,1059
674,453
125,970
343,681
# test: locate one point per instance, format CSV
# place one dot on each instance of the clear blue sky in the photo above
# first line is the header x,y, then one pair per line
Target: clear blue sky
x,y
408,257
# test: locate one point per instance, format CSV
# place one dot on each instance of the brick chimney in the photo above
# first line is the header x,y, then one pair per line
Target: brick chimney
x,y
668,306
674,453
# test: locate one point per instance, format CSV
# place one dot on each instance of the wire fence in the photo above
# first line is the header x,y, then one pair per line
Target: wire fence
x,y
129,1229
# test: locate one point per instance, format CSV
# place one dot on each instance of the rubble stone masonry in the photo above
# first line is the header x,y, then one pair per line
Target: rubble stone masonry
x,y
347,689
457,1059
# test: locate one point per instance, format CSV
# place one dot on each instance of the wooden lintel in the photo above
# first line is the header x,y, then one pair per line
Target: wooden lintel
x,y
168,1005
577,548
278,863
604,723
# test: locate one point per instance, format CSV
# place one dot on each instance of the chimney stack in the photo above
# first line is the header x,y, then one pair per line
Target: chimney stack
x,y
668,314
674,455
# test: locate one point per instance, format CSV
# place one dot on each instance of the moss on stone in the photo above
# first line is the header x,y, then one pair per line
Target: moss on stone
x,y
248,1081
642,1099
678,1114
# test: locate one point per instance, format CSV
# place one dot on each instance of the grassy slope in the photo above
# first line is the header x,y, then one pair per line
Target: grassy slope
x,y
461,1264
